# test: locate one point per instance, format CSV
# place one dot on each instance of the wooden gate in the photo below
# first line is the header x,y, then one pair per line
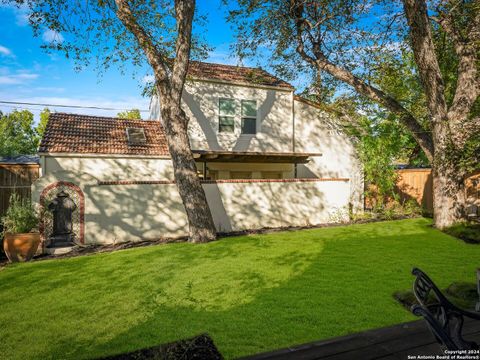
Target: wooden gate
x,y
16,178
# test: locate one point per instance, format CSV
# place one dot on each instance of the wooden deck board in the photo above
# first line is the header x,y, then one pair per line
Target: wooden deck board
x,y
390,343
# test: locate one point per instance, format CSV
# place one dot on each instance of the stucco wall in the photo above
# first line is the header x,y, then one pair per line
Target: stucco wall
x,y
253,205
318,131
274,117
117,213
132,212
110,167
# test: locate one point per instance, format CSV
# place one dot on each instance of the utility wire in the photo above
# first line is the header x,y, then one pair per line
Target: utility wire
x,y
64,106
116,109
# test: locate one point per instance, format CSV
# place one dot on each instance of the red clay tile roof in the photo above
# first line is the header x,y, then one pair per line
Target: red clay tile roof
x,y
72,133
230,73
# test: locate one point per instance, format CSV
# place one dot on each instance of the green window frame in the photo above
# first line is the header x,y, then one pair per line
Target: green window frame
x,y
226,115
249,117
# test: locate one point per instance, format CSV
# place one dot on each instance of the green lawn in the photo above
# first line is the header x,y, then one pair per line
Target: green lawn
x,y
250,293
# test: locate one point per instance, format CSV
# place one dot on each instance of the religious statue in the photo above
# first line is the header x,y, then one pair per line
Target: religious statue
x,y
62,208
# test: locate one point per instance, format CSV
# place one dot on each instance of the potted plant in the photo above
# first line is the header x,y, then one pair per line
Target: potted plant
x,y
20,229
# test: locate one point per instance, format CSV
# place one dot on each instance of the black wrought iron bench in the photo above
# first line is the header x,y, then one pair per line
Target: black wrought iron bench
x,y
444,319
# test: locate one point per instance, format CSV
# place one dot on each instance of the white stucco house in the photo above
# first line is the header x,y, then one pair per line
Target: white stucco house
x,y
266,157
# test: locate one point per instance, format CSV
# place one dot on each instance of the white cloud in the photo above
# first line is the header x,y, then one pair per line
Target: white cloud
x,y
5,51
52,36
17,78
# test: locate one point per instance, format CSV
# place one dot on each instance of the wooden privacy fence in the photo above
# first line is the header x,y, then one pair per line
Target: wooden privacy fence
x,y
16,178
417,184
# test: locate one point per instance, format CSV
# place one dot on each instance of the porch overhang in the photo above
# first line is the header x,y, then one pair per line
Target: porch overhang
x,y
253,157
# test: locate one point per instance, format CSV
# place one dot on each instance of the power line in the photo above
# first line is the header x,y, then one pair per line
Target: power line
x,y
11,103
64,106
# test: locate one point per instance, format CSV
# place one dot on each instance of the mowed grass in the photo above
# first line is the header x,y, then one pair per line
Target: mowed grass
x,y
250,293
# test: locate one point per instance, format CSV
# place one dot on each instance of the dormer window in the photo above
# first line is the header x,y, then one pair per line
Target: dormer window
x,y
249,117
136,136
226,115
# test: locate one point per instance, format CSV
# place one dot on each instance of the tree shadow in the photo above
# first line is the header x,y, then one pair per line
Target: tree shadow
x,y
289,290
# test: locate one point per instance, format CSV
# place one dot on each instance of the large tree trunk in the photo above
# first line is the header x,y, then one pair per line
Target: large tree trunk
x,y
200,221
170,80
448,196
448,180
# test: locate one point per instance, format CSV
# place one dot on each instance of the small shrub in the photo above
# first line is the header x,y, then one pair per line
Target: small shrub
x,y
470,233
389,213
411,208
339,216
395,210
361,216
20,217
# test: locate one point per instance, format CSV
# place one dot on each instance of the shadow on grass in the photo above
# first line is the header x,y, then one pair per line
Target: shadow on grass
x,y
250,294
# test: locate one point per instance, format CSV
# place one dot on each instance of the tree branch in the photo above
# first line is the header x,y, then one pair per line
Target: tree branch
x,y
426,59
320,62
184,10
296,12
423,137
468,77
155,58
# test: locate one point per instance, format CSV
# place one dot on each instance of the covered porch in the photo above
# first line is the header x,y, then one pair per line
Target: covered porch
x,y
219,165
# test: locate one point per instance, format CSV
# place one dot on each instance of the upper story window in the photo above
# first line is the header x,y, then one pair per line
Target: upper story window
x,y
228,115
249,117
226,118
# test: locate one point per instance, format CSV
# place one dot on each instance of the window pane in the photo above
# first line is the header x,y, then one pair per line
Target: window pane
x,y
225,124
249,126
249,108
226,106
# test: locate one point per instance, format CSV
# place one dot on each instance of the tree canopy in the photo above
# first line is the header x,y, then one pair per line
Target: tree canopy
x,y
350,40
18,133
132,114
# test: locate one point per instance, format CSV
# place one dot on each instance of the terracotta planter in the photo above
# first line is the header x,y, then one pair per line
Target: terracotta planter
x,y
20,247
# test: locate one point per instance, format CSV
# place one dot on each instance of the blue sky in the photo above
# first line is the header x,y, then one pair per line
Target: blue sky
x,y
28,74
